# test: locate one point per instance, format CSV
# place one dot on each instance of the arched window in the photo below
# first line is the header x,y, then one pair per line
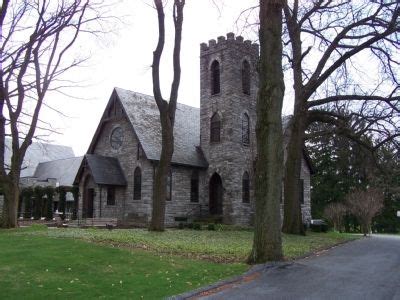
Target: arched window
x,y
245,129
137,184
246,188
215,78
215,128
194,187
111,195
169,185
246,77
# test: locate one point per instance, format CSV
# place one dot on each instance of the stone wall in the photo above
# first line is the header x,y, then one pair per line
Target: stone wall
x,y
306,206
127,210
229,158
180,204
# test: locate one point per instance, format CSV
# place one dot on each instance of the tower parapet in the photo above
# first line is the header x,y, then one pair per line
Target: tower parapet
x,y
229,41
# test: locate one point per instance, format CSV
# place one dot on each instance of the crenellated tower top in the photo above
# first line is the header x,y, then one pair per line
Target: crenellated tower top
x,y
229,41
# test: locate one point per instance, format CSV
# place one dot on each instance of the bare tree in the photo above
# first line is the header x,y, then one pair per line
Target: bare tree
x,y
167,109
325,41
326,71
364,205
36,42
267,244
334,212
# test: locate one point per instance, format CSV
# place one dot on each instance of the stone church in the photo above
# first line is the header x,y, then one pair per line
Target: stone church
x,y
215,148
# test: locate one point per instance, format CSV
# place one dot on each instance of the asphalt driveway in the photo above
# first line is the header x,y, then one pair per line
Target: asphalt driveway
x,y
364,269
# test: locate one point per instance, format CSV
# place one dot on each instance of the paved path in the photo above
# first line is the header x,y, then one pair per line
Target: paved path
x,y
364,269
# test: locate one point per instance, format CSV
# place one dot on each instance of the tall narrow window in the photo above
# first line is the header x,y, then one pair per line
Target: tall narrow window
x,y
215,78
137,184
246,188
169,185
138,152
215,128
245,129
301,190
246,77
111,195
194,187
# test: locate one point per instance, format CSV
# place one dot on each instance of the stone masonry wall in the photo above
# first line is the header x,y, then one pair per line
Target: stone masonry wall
x,y
229,158
127,210
306,206
180,205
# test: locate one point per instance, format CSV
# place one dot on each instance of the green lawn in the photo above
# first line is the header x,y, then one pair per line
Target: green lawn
x,y
39,267
219,246
36,263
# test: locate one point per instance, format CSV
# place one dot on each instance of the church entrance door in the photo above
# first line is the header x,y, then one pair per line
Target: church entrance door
x,y
215,195
88,198
89,203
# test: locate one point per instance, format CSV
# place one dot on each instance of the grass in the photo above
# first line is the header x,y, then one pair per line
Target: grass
x,y
39,267
218,246
38,263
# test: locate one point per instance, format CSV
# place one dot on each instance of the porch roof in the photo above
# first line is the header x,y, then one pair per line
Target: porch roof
x,y
104,169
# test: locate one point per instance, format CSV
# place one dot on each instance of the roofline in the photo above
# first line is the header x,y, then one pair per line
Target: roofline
x,y
80,170
147,95
180,164
114,96
100,124
49,161
42,143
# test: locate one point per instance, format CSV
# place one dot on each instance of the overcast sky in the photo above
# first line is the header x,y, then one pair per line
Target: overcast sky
x,y
124,59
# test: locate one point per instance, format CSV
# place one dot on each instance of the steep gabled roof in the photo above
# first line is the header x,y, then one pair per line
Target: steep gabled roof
x,y
64,170
36,153
142,112
104,170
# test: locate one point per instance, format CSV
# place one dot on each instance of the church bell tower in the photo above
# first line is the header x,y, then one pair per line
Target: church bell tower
x,y
228,90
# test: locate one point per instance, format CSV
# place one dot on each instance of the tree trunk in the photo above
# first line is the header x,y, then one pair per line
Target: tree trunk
x,y
267,244
166,109
365,228
161,175
10,206
292,220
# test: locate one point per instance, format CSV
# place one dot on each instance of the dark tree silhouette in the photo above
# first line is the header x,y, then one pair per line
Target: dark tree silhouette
x,y
267,244
166,109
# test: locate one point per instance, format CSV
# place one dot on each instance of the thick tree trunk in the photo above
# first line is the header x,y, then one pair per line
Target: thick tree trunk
x,y
292,221
10,206
161,175
267,244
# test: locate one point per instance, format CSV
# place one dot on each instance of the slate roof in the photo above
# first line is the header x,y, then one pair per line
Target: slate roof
x,y
38,152
143,114
64,170
105,170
